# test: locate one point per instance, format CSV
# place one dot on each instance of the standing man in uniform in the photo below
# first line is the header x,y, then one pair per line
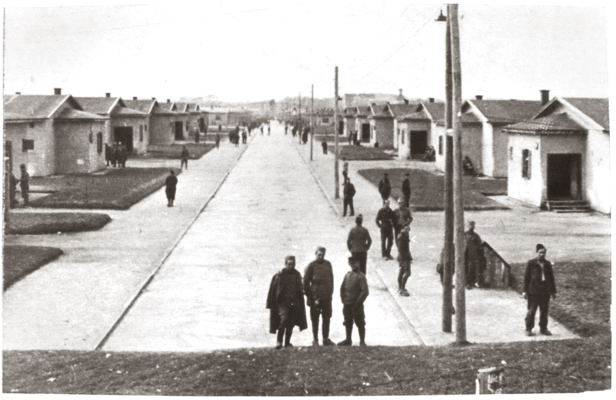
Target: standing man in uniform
x,y
539,286
24,184
353,293
385,221
345,168
184,156
359,242
385,187
217,140
319,288
170,186
406,190
474,259
404,260
285,300
348,191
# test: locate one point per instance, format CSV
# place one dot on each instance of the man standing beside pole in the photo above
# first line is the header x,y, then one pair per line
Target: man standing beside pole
x,y
319,288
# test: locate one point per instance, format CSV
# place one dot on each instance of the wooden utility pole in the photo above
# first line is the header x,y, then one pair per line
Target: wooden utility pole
x,y
447,260
458,206
311,119
337,179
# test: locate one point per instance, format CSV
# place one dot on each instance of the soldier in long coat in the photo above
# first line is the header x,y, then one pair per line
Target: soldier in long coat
x,y
285,300
474,259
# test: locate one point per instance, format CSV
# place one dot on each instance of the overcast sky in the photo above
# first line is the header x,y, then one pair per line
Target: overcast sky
x,y
263,49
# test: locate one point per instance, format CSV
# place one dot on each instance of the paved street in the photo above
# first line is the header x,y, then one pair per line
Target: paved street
x,y
211,292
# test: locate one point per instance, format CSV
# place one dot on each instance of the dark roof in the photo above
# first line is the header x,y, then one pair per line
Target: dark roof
x,y
98,105
402,108
33,106
128,112
350,112
363,111
596,108
505,111
378,109
436,110
414,116
559,124
181,107
145,106
193,108
72,114
165,105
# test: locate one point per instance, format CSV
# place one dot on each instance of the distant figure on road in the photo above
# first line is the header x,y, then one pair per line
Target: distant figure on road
x,y
184,156
319,288
345,168
324,146
107,154
244,137
385,221
170,185
305,135
348,191
269,129
197,138
404,260
24,184
285,300
474,259
406,190
359,242
539,285
286,128
217,140
12,190
353,293
261,130
385,187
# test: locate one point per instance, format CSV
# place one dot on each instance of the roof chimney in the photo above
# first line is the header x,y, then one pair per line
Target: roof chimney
x,y
153,98
134,97
430,99
400,92
107,94
545,96
18,93
478,97
57,91
168,101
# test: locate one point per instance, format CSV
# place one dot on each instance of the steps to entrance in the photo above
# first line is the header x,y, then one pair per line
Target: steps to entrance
x,y
569,206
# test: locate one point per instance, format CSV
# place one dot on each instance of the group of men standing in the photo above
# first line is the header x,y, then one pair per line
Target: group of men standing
x,y
236,134
116,154
285,300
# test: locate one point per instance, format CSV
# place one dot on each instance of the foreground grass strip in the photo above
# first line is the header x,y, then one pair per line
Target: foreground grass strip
x,y
534,367
48,223
117,188
19,261
427,188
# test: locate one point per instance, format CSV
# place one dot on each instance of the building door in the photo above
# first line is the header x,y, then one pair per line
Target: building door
x,y
179,130
418,143
201,125
340,128
564,176
365,133
124,135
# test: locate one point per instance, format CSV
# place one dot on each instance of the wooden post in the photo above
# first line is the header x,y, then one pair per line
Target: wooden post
x,y
311,119
448,192
336,179
458,206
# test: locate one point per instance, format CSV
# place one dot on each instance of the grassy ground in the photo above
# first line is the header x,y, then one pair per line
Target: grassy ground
x,y
117,188
366,153
174,151
19,261
534,367
43,223
427,188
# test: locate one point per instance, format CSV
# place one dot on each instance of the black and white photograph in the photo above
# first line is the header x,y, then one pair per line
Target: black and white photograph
x,y
307,198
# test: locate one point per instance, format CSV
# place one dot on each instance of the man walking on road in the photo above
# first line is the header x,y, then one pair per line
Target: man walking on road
x,y
539,285
184,156
353,292
345,168
285,301
385,221
359,242
319,288
217,140
170,186
324,146
348,191
406,190
474,259
404,260
385,187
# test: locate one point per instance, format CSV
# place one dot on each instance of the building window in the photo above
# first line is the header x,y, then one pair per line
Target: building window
x,y
325,120
440,145
526,164
99,142
90,138
217,118
27,144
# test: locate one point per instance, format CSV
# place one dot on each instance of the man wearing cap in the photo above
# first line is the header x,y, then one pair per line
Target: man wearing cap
x,y
319,288
539,285
358,243
385,187
406,190
474,259
385,221
285,300
353,293
348,191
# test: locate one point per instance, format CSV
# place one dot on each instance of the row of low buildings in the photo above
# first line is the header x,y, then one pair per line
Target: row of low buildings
x,y
60,134
549,149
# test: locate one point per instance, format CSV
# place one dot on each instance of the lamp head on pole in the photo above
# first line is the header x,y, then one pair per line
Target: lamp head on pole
x,y
441,17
